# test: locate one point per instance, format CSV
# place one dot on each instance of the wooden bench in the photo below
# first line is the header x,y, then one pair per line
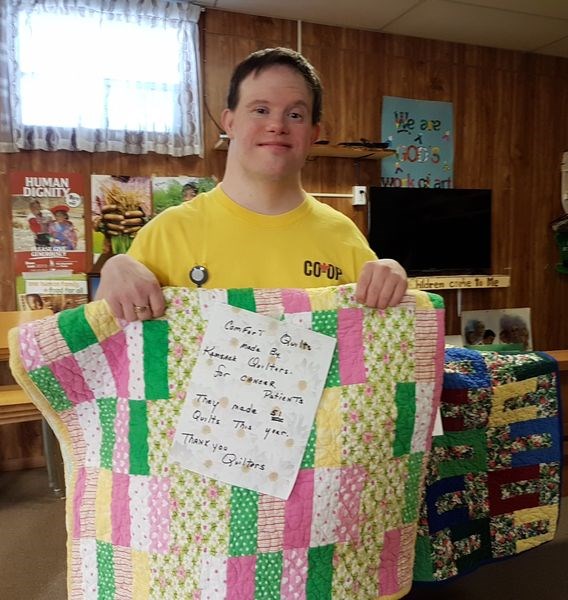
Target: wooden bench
x,y
15,405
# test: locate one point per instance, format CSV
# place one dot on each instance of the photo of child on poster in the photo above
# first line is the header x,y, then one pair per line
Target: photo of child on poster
x,y
47,222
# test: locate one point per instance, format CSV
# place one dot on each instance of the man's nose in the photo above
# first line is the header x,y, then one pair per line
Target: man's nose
x,y
277,123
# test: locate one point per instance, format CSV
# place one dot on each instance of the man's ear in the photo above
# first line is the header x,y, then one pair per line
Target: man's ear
x,y
227,118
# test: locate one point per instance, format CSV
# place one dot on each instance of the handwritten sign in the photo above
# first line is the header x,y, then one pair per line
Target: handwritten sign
x,y
252,400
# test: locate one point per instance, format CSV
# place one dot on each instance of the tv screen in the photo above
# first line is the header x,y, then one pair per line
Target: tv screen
x,y
432,231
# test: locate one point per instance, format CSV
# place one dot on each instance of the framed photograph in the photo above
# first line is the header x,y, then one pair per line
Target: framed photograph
x,y
506,328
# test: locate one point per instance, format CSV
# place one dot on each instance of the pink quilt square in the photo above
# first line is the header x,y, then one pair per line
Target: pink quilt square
x,y
241,573
69,374
298,511
350,346
296,301
114,348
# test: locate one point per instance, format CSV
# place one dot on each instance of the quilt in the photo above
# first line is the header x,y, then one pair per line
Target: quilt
x,y
141,528
493,483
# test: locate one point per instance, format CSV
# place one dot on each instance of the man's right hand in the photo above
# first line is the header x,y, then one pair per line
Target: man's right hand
x,y
131,289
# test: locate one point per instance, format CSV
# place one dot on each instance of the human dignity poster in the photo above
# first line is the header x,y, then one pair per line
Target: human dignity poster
x,y
48,221
421,132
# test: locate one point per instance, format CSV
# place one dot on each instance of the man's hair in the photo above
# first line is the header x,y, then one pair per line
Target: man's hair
x,y
189,186
271,57
472,325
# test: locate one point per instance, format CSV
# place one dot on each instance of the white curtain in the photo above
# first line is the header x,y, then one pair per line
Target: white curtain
x,y
119,107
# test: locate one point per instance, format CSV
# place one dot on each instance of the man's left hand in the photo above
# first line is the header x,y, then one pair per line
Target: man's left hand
x,y
381,283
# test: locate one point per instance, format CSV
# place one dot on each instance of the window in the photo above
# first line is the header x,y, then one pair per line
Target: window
x,y
91,79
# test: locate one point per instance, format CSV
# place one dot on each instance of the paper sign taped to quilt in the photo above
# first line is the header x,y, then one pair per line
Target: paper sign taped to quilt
x,y
252,400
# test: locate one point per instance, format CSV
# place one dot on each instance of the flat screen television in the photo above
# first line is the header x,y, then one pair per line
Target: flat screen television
x,y
432,231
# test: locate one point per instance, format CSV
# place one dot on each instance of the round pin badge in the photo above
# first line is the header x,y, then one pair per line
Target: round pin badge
x,y
198,275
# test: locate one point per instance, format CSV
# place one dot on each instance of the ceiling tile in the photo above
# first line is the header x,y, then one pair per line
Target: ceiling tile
x,y
545,8
457,22
557,49
357,14
526,25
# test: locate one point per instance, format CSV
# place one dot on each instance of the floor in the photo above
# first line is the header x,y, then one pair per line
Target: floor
x,y
33,556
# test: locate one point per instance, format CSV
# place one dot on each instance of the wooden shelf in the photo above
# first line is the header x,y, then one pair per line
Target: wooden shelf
x,y
331,151
561,356
458,282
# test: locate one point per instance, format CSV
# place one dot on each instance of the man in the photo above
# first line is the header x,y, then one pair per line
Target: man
x,y
258,227
188,192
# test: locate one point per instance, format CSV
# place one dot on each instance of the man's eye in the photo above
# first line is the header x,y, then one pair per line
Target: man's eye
x,y
296,116
261,110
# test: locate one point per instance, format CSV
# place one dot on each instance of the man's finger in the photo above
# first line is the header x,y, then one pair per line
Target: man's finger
x,y
115,308
128,311
385,293
157,302
143,312
399,293
363,284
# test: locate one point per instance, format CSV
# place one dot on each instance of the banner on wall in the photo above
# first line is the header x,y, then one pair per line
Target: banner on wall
x,y
48,221
421,132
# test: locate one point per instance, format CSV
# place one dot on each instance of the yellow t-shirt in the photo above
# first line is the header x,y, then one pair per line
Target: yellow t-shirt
x,y
313,245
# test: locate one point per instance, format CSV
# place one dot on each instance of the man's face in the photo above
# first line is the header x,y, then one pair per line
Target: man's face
x,y
271,129
189,194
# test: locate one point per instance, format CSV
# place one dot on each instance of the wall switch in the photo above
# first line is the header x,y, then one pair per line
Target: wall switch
x,y
359,195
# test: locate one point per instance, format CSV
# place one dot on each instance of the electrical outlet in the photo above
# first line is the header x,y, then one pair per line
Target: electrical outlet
x,y
359,195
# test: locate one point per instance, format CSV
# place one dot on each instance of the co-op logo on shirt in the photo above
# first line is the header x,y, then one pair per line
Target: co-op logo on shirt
x,y
314,268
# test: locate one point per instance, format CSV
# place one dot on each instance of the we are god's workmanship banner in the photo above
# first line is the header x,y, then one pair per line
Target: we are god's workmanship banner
x,y
421,132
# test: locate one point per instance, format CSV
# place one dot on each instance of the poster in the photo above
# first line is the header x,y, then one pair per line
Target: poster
x,y
48,221
120,207
498,327
171,191
252,400
56,291
421,132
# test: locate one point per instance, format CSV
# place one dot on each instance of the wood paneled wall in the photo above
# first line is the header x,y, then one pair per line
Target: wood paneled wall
x,y
511,127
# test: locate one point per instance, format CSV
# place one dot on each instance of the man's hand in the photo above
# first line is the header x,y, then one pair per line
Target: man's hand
x,y
381,283
131,289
